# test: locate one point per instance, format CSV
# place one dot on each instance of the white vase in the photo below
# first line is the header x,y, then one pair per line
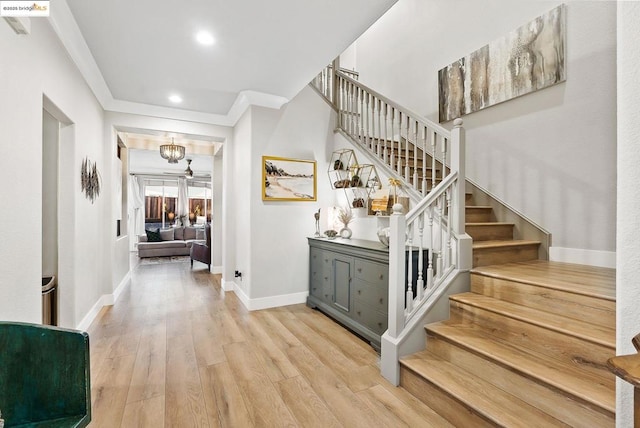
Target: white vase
x,y
345,233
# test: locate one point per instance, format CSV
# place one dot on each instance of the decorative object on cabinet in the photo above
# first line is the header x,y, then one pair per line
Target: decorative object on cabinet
x,y
357,180
527,59
316,216
285,179
90,179
383,235
345,216
331,234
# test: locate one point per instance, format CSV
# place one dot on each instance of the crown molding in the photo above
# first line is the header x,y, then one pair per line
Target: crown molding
x,y
66,28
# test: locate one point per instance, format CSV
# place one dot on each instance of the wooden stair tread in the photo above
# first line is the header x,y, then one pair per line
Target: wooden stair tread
x,y
486,399
579,279
479,207
490,223
588,387
581,329
503,244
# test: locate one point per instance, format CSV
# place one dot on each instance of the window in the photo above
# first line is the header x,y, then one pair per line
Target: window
x,y
161,200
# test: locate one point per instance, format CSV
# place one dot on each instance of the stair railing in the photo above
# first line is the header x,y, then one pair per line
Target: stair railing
x,y
430,161
323,82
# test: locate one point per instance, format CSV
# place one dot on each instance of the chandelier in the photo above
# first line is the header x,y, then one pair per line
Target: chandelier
x,y
188,173
172,152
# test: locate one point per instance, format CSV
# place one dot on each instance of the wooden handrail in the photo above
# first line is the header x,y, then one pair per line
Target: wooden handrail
x,y
627,368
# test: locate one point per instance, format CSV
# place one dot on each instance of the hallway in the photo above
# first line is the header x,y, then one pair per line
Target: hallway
x,y
176,351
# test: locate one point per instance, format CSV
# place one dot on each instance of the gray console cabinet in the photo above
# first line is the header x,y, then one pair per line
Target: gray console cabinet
x,y
348,281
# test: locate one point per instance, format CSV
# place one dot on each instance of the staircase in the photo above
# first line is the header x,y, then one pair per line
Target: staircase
x,y
527,346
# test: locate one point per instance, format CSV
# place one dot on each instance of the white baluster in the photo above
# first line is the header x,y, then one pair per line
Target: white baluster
x,y
361,117
409,298
420,282
399,160
407,158
424,160
367,119
441,246
385,155
415,157
392,163
449,237
430,249
444,157
433,159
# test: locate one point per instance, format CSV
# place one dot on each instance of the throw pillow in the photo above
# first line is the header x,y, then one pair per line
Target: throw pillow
x,y
166,234
153,236
189,233
178,233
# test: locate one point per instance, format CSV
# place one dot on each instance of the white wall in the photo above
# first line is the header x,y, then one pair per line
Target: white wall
x,y
217,180
271,245
628,243
550,154
50,144
239,189
33,66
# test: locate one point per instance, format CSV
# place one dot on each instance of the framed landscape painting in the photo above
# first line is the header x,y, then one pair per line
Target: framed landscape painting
x,y
285,179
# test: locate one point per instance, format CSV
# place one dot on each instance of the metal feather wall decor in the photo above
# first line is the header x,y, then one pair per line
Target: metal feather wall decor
x,y
90,179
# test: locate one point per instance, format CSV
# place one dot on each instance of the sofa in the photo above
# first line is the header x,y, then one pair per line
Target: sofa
x,y
175,241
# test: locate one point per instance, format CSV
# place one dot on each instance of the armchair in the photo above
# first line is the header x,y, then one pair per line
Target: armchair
x,y
201,251
44,376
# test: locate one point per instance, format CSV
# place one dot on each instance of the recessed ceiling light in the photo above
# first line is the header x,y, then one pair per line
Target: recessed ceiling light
x,y
175,99
205,38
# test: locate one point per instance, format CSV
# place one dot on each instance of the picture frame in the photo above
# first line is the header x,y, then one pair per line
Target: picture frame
x,y
286,179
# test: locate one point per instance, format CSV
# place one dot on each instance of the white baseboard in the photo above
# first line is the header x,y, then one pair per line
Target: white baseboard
x,y
584,257
216,269
271,301
228,285
104,300
92,314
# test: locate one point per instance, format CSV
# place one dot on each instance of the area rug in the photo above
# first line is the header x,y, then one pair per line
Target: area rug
x,y
161,260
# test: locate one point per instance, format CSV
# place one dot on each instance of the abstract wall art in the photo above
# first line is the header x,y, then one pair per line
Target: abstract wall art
x,y
529,58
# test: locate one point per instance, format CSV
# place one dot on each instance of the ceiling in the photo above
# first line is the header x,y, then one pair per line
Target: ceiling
x,y
145,50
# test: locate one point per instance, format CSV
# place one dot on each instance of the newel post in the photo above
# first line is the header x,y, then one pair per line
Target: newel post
x,y
335,84
398,223
458,163
389,352
458,159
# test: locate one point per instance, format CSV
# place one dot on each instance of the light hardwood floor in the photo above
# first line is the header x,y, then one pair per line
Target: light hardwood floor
x,y
176,351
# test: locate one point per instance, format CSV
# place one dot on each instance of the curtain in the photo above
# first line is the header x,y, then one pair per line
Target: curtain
x,y
136,192
183,201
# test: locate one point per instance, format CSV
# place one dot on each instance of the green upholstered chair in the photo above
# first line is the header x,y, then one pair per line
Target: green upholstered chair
x,y
44,376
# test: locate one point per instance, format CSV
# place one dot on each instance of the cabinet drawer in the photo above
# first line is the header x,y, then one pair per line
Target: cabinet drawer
x,y
375,273
375,295
320,260
367,316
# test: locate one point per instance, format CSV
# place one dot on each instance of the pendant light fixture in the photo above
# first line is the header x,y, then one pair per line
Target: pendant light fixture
x,y
172,152
188,173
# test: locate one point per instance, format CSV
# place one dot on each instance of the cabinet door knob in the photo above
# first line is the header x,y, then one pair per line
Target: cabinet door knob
x,y
326,278
381,300
358,312
359,270
359,291
381,276
380,324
